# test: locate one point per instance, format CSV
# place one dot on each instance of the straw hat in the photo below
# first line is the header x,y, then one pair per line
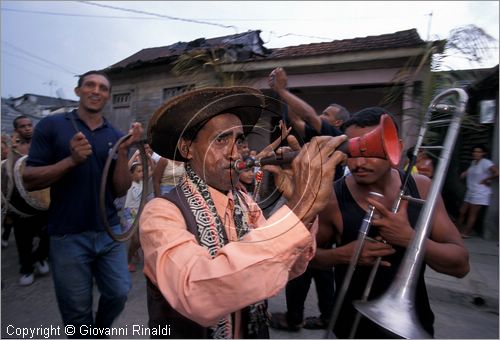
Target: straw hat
x,y
194,108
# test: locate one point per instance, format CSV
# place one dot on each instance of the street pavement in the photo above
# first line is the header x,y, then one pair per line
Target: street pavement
x,y
465,308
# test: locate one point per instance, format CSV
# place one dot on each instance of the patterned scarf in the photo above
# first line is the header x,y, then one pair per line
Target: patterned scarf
x,y
213,236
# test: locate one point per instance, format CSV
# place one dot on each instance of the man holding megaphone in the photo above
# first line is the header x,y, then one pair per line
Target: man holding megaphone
x,y
390,236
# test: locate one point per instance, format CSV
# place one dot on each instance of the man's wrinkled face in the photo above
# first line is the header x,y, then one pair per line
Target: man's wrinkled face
x,y
365,170
215,148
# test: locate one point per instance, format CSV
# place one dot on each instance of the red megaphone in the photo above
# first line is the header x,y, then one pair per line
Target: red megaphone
x,y
382,142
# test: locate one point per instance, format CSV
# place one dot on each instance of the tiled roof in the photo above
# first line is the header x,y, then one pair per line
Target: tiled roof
x,y
401,39
254,44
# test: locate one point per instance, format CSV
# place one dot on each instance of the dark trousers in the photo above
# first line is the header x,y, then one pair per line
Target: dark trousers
x,y
7,227
297,289
25,230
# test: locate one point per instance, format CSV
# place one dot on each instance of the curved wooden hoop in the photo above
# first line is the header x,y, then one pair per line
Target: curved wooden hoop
x,y
102,194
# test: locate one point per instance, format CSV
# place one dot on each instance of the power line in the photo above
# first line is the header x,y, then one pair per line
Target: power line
x,y
200,19
20,56
75,15
25,70
193,20
39,58
301,35
197,21
158,15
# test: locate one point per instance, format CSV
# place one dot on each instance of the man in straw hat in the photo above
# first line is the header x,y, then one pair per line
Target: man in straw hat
x,y
210,256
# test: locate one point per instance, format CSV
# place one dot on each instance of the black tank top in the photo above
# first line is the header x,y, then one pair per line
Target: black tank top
x,y
352,216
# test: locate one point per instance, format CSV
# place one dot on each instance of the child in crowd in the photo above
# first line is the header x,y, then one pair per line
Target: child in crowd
x,y
132,203
247,181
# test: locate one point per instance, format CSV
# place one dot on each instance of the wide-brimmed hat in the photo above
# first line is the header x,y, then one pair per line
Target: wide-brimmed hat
x,y
194,108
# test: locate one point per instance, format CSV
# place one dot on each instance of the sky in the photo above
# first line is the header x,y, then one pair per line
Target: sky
x,y
45,44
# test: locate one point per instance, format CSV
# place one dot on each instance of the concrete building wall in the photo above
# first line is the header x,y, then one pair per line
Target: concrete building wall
x,y
354,89
146,89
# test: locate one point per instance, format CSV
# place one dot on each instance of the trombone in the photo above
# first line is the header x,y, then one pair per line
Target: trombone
x,y
395,309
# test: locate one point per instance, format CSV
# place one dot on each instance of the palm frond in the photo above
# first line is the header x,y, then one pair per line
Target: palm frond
x,y
469,41
203,67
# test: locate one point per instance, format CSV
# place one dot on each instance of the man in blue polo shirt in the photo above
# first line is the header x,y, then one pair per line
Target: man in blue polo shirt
x,y
68,153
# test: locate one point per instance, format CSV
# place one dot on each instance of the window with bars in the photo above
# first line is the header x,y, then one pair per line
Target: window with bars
x,y
121,100
176,90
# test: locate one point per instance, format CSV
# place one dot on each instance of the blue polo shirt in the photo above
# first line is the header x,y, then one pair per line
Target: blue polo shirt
x,y
74,199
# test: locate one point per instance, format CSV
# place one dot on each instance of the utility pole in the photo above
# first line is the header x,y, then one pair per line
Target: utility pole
x,y
429,26
51,83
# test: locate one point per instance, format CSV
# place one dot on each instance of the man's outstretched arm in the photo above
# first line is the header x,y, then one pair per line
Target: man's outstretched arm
x,y
300,113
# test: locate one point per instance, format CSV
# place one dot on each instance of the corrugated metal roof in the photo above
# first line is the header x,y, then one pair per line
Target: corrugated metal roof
x,y
249,40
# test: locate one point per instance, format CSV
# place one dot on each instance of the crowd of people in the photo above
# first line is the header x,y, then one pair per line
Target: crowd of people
x,y
211,258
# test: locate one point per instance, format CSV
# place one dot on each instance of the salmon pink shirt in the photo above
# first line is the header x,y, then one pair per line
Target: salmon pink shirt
x,y
243,272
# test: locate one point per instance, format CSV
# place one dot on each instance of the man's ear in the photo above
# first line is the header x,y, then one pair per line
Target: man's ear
x,y
338,123
77,91
184,147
